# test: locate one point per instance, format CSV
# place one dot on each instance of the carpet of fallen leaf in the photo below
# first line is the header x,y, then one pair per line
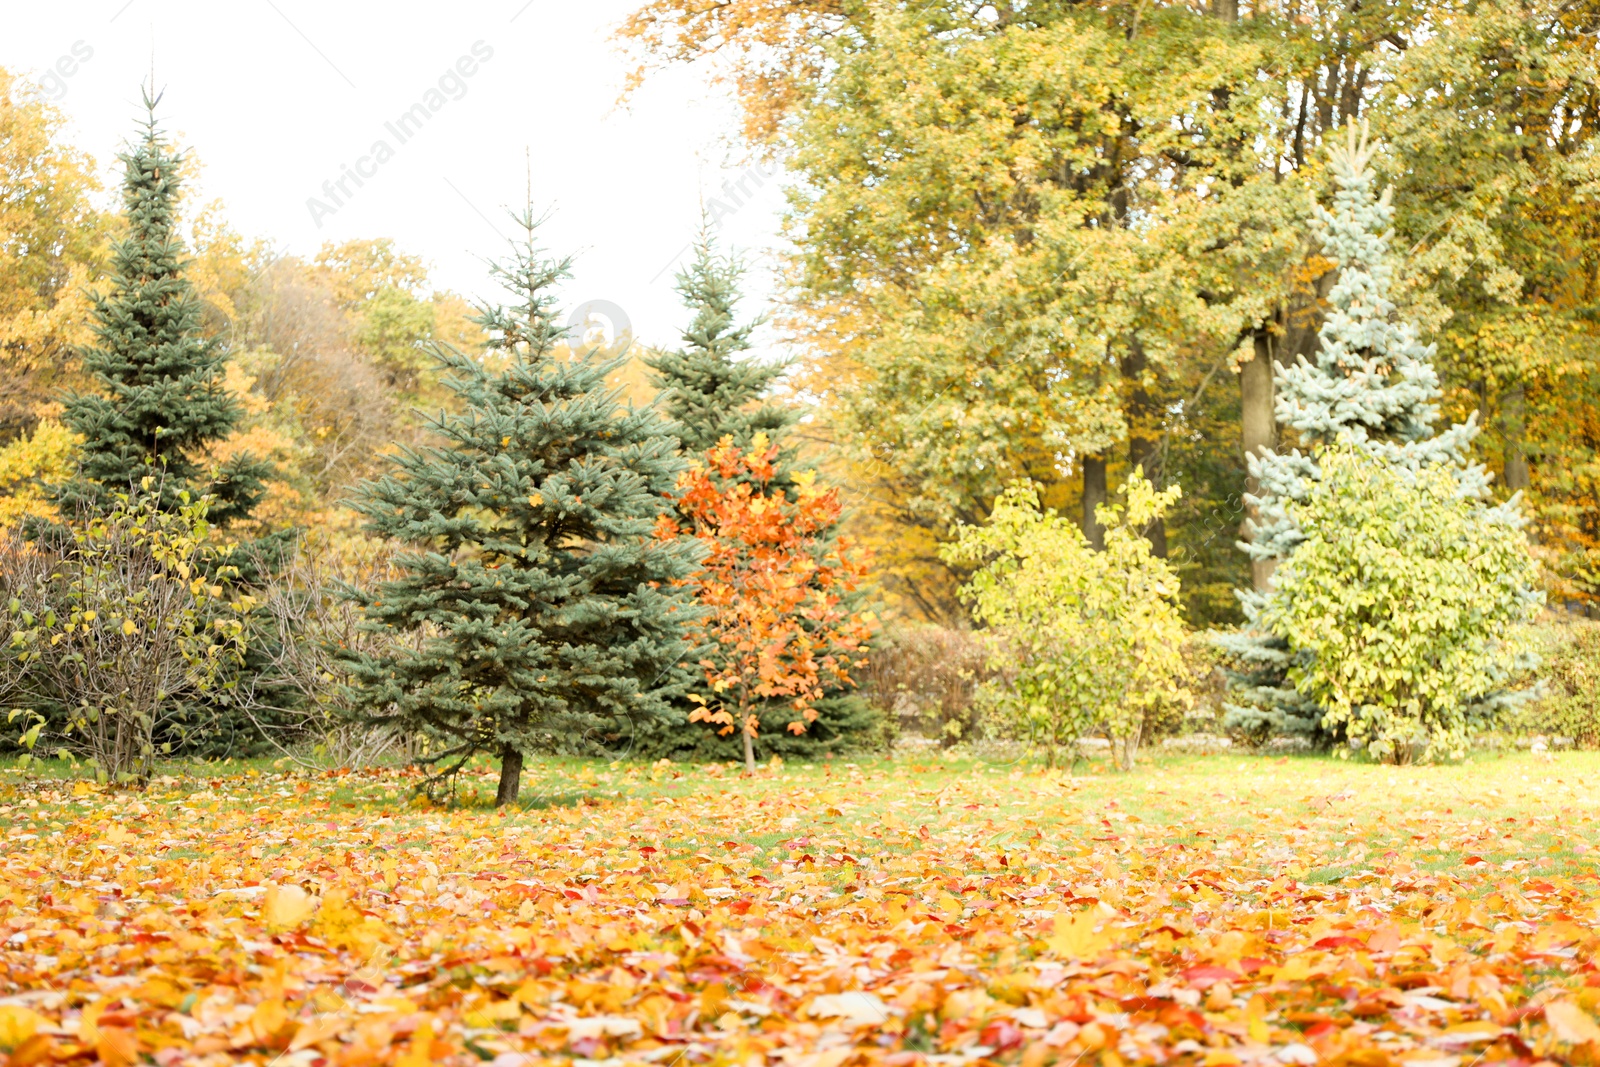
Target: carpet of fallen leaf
x,y
1206,911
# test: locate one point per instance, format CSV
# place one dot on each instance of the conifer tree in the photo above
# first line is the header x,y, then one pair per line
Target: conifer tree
x,y
160,398
711,392
540,607
1371,389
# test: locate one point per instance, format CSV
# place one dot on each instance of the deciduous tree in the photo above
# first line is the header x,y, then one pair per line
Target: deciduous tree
x,y
774,585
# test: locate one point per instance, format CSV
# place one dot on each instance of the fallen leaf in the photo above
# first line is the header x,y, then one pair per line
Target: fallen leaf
x,y
1570,1023
855,1008
286,907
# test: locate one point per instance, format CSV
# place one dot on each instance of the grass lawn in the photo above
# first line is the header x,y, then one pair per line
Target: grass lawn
x,y
1207,910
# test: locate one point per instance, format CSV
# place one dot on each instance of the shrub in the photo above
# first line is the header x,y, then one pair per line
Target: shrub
x,y
295,700
1399,607
1081,640
926,678
119,628
1570,705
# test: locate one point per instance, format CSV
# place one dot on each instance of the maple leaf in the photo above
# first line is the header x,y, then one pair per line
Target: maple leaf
x,y
1075,937
286,907
1570,1023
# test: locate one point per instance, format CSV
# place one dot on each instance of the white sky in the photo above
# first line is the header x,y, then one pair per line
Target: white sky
x,y
277,96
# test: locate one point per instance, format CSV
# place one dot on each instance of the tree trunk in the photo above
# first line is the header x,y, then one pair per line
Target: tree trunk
x,y
510,776
1513,422
1258,433
1094,494
1144,419
749,750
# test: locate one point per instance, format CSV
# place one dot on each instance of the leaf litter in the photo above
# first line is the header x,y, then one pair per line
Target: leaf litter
x,y
1207,912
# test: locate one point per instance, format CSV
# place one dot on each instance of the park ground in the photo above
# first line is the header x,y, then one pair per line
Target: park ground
x,y
1202,910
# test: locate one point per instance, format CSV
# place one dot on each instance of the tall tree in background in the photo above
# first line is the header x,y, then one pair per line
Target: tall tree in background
x,y
945,155
711,389
543,609
988,266
160,398
1373,388
50,249
1498,193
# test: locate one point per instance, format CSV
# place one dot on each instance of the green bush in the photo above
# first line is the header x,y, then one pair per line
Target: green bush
x,y
133,619
1401,608
1079,640
1570,705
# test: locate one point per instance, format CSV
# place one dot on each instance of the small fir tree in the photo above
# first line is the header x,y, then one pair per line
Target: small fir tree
x,y
160,399
540,606
1371,390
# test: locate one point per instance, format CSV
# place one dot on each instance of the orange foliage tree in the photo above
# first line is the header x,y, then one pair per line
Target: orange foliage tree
x,y
774,588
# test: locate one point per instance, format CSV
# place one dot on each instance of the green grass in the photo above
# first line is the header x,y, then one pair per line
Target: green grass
x,y
1362,807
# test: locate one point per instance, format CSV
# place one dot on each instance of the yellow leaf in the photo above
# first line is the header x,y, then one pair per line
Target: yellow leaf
x,y
268,1021
286,907
89,1022
129,628
488,1015
17,1024
318,1030
1477,1030
1075,937
1571,1023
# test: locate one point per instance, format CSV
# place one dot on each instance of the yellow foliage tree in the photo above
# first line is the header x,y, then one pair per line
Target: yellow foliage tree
x,y
51,247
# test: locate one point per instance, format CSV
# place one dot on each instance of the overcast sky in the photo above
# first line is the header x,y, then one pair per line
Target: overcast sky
x,y
278,97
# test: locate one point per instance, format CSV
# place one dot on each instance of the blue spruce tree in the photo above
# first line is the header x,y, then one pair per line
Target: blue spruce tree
x,y
711,390
1372,388
159,398
536,607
